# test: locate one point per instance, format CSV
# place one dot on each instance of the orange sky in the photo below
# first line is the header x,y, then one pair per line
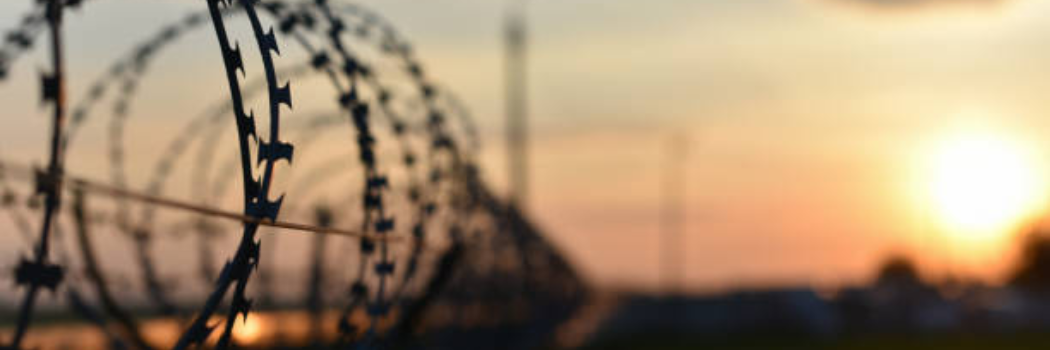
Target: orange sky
x,y
806,118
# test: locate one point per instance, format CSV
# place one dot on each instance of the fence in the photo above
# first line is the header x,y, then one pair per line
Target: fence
x,y
437,260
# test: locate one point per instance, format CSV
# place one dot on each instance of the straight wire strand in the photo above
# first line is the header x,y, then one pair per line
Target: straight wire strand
x,y
113,191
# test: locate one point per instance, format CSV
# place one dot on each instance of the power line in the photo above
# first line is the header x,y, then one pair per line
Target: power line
x,y
90,186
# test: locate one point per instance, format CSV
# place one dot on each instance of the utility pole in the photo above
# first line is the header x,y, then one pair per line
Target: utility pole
x,y
516,91
672,220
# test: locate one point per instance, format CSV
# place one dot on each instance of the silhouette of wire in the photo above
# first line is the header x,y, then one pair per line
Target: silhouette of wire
x,y
39,272
99,188
438,200
21,38
94,273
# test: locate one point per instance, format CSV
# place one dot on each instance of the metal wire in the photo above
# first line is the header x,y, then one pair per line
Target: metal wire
x,y
89,186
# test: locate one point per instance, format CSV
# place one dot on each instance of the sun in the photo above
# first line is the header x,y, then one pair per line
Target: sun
x,y
981,184
251,330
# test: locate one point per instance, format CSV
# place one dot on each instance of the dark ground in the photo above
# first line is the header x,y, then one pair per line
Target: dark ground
x,y
899,342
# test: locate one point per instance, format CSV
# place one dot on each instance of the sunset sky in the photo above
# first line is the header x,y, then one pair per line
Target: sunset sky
x,y
819,130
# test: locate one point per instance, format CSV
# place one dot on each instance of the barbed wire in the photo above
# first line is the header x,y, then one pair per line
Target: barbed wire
x,y
21,38
444,214
39,272
21,172
408,158
116,154
126,323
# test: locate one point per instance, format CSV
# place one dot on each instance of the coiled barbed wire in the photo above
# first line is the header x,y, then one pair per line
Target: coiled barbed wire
x,y
141,57
21,38
39,273
257,200
445,202
127,325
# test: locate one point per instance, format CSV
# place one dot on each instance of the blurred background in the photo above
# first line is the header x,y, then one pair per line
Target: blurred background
x,y
826,173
